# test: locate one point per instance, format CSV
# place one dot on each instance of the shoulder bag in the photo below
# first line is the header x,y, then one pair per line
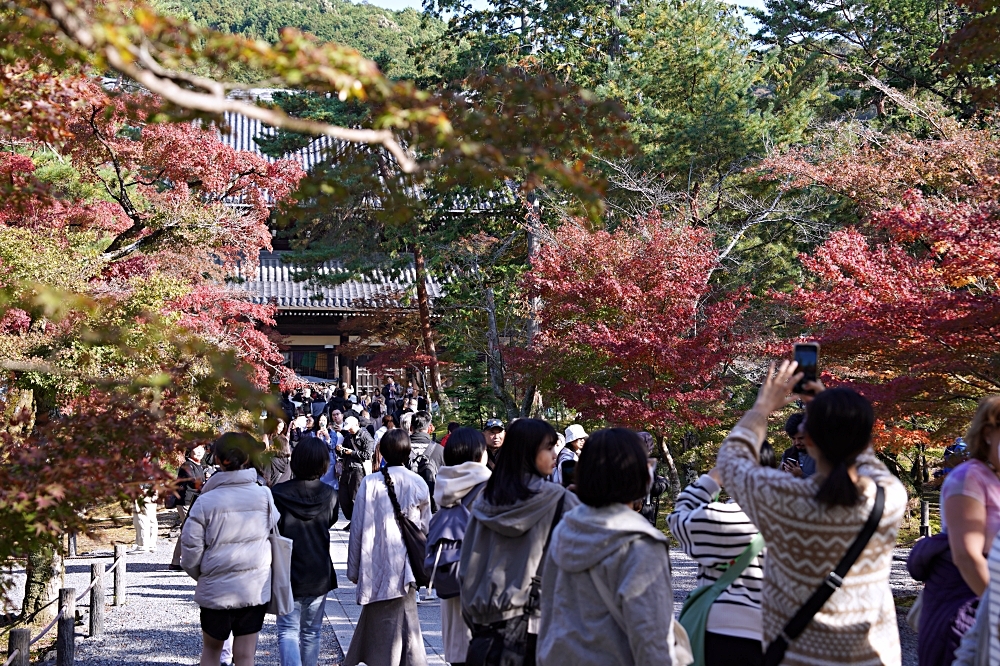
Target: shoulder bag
x,y
282,600
694,614
775,652
413,538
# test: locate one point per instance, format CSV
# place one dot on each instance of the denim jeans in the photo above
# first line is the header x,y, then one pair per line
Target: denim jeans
x,y
300,631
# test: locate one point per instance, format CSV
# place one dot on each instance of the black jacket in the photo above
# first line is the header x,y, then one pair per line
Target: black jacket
x,y
307,512
363,445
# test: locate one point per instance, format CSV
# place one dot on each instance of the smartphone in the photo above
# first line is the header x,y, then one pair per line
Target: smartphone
x,y
807,356
568,473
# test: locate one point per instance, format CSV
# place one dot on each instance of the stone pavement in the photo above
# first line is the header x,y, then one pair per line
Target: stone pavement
x,y
342,610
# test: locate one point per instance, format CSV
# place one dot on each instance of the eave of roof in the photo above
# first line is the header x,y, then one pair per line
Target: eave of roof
x,y
273,281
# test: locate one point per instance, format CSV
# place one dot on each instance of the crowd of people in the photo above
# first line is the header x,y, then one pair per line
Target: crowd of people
x,y
543,546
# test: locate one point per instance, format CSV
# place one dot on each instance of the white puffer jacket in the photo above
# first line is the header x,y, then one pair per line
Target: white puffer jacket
x,y
224,542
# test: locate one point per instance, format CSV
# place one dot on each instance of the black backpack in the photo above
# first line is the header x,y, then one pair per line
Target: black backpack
x,y
444,544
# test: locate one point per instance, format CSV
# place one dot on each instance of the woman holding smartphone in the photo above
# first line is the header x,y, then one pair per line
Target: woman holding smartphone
x,y
809,525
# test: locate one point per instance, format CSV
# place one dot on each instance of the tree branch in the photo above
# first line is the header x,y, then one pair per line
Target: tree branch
x,y
144,69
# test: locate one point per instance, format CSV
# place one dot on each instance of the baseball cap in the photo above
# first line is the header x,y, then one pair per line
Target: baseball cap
x,y
350,423
493,423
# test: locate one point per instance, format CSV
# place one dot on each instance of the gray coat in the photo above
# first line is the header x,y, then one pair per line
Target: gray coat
x,y
629,557
503,548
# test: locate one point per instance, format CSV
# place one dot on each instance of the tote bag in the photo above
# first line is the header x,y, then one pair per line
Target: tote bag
x,y
282,602
694,614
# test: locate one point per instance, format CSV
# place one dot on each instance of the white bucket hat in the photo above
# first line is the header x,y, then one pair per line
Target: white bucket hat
x,y
575,432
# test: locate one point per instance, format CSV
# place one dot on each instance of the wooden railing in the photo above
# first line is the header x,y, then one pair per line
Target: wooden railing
x,y
20,641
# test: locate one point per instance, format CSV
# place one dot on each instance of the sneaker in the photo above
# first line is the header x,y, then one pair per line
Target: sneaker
x,y
175,567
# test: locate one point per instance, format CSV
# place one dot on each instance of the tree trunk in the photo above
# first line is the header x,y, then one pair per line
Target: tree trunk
x,y
424,304
535,304
494,358
672,475
44,578
19,415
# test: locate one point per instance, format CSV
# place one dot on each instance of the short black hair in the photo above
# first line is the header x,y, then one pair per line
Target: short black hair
x,y
464,445
310,459
793,423
516,460
420,422
395,447
233,450
453,426
613,468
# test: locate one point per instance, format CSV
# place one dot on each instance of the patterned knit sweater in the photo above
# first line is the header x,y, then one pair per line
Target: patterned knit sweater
x,y
806,540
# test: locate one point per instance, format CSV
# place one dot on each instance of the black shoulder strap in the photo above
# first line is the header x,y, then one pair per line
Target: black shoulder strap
x,y
556,517
776,649
535,591
389,486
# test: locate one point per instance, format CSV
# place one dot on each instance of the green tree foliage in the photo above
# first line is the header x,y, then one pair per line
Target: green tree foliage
x,y
382,35
701,100
893,41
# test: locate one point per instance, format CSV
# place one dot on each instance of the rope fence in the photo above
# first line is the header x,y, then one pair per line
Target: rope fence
x,y
20,641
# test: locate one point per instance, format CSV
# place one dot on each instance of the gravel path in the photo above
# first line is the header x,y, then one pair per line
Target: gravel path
x,y
159,625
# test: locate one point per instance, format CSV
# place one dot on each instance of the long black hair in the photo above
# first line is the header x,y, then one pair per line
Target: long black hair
x,y
839,422
516,460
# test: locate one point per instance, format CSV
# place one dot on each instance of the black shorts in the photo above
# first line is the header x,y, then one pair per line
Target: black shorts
x,y
220,622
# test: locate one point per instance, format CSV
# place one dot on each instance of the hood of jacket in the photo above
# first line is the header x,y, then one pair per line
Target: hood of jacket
x,y
239,477
513,520
421,437
303,499
455,481
587,536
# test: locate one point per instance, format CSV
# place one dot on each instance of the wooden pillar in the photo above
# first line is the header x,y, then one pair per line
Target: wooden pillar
x,y
97,600
120,574
65,628
20,641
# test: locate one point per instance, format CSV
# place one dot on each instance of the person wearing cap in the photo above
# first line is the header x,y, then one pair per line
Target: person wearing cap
x,y
357,449
494,433
576,436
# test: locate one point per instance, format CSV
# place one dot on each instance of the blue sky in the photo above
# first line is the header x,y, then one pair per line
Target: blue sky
x,y
416,4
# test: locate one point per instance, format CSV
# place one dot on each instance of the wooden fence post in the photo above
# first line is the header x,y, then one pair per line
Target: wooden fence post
x,y
97,600
120,574
65,628
925,518
20,640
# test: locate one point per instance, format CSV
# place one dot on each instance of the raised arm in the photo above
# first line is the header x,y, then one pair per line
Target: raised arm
x,y
711,532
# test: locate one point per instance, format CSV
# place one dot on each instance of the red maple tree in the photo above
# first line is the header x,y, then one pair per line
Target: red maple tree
x,y
906,303
631,330
120,338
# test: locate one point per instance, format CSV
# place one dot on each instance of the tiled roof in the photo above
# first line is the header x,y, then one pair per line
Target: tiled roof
x,y
274,282
243,130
